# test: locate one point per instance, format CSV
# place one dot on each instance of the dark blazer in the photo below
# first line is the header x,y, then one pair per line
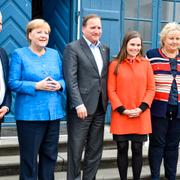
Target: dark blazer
x,y
84,84
5,66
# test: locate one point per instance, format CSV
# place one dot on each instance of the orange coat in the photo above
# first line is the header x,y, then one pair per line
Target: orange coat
x,y
133,85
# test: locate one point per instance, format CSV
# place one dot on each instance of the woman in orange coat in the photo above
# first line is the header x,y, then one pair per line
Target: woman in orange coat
x,y
131,90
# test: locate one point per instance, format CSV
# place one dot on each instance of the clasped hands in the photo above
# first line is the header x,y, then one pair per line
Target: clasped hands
x,y
132,113
48,84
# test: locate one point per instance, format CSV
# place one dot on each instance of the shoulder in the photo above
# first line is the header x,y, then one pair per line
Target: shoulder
x,y
153,53
144,60
51,51
73,44
21,50
72,48
18,54
113,63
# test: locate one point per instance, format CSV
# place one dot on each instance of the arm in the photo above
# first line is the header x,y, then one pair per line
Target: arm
x,y
70,70
112,90
16,82
150,91
61,78
6,104
7,98
149,95
56,80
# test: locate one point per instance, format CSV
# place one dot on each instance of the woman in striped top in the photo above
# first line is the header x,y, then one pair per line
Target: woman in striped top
x,y
165,110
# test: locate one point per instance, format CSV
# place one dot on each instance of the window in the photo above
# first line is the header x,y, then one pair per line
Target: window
x,y
148,17
138,16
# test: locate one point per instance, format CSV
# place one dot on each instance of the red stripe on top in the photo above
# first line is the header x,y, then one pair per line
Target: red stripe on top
x,y
159,66
162,96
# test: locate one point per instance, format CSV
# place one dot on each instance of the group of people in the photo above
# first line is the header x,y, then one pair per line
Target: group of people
x,y
144,92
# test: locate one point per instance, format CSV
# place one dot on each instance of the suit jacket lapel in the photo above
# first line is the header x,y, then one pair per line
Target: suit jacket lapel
x,y
88,53
103,54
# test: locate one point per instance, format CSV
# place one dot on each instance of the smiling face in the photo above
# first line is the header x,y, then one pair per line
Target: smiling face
x,y
133,47
171,42
39,37
92,30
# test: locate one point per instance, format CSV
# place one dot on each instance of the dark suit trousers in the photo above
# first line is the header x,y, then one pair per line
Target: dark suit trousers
x,y
38,138
88,134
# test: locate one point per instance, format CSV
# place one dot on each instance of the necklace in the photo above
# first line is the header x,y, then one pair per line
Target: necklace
x,y
169,54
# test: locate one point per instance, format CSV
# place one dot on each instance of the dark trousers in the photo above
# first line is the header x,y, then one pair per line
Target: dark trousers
x,y
122,158
88,134
164,144
38,138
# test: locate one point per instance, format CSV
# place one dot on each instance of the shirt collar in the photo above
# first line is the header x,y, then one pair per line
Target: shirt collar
x,y
138,59
90,44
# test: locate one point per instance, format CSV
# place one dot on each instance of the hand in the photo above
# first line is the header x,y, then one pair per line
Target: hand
x,y
55,86
48,84
81,112
3,111
135,112
127,112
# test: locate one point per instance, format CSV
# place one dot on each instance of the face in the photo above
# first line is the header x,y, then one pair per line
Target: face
x,y
133,47
93,30
39,37
0,23
172,41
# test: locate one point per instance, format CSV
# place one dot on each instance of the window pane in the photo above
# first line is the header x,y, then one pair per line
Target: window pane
x,y
131,8
167,11
145,30
146,9
130,25
177,18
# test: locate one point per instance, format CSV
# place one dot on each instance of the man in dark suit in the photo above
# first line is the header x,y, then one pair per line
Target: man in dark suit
x,y
85,66
5,94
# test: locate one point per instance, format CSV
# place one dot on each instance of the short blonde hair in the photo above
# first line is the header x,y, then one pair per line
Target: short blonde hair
x,y
169,27
36,23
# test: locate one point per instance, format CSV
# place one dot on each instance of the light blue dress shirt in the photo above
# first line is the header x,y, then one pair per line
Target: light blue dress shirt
x,y
96,53
26,69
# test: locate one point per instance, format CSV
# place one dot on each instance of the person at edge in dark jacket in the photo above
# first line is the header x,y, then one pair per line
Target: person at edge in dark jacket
x,y
5,94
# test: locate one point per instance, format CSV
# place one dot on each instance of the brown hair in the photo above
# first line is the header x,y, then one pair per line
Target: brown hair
x,y
122,55
36,23
89,16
